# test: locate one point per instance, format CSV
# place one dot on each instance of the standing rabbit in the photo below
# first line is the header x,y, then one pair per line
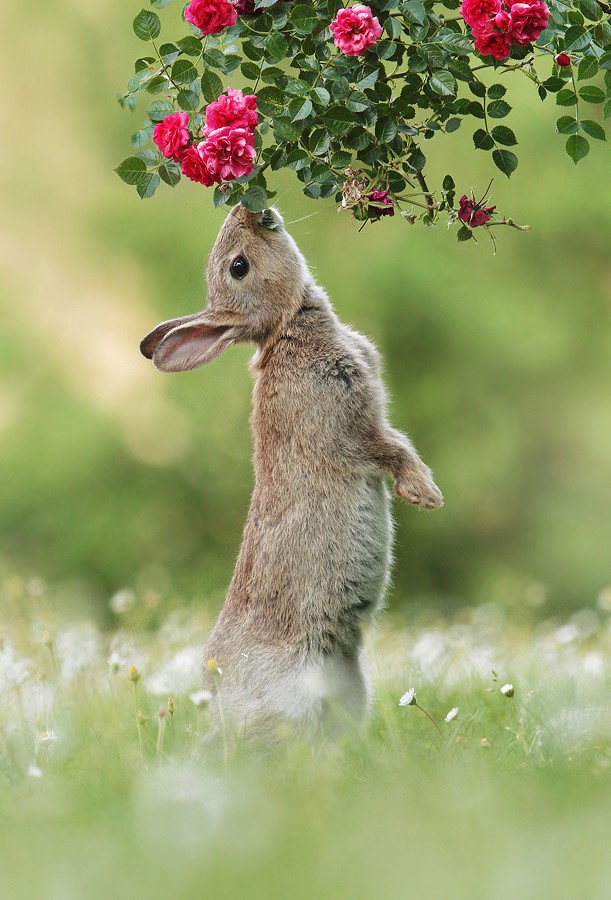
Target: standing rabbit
x,y
314,563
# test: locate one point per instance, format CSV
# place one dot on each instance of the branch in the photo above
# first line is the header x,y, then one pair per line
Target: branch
x,y
430,203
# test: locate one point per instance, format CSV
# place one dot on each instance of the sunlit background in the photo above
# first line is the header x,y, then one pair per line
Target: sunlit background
x,y
116,477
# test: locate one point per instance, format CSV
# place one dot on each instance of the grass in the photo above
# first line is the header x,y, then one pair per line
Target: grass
x,y
104,789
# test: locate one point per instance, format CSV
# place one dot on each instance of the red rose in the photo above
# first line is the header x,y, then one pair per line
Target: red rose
x,y
528,20
228,153
478,13
194,167
490,42
234,109
172,135
211,16
472,213
380,197
355,29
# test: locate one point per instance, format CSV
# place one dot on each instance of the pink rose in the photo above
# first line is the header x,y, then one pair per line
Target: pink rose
x,y
228,153
502,20
232,109
210,16
528,20
472,213
489,42
355,29
172,135
477,13
380,197
194,166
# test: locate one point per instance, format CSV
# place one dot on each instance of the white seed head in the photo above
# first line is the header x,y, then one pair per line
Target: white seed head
x,y
200,698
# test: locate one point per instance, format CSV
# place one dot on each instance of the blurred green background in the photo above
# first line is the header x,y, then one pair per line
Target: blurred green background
x,y
114,475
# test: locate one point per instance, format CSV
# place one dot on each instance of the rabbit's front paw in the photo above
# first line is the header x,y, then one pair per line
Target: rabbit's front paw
x,y
421,490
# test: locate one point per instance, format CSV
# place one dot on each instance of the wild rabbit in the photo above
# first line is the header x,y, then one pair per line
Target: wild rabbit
x,y
314,563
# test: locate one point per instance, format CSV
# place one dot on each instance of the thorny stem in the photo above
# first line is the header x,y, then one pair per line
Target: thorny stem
x,y
427,194
163,65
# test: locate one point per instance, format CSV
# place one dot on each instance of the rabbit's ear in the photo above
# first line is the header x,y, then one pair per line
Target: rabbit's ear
x,y
152,340
191,345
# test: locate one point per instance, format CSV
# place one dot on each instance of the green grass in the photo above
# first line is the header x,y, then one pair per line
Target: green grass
x,y
510,800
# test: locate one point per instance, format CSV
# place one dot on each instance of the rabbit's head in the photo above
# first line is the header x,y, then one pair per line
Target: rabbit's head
x,y
256,277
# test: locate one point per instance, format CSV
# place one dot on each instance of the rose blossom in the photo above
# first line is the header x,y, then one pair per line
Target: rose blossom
x,y
194,166
528,20
380,197
228,153
477,13
489,42
472,213
172,135
355,29
234,109
210,16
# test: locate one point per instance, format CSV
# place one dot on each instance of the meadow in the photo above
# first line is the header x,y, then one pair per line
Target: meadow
x,y
107,786
124,494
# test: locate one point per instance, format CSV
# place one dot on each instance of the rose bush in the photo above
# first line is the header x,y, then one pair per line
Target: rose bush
x,y
348,96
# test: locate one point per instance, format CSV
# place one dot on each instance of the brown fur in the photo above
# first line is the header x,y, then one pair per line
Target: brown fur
x,y
315,555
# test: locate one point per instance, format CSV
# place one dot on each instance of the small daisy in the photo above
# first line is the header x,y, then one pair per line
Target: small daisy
x,y
409,698
507,690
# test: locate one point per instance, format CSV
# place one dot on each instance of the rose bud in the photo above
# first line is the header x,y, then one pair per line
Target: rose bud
x,y
563,59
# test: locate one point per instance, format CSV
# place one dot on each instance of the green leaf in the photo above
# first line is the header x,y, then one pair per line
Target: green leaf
x,y
577,147
212,86
414,11
321,95
588,67
590,9
276,45
464,233
566,97
498,109
303,18
452,124
567,125
271,101
496,91
504,135
170,173
482,140
190,45
147,25
222,193
184,72
169,53
593,129
255,198
338,118
592,94
147,185
320,142
160,4
188,100
576,38
443,83
505,160
386,129
131,170
368,81
297,159
299,109
607,110
250,71
340,159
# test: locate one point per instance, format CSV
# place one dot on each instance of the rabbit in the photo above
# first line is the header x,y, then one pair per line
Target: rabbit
x,y
286,652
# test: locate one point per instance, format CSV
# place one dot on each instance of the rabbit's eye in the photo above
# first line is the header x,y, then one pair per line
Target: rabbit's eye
x,y
239,267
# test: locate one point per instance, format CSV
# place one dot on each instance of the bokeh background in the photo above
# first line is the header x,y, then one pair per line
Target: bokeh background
x,y
116,477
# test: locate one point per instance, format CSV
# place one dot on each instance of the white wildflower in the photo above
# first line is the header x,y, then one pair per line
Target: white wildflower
x,y
46,738
452,714
409,698
115,663
34,772
200,698
507,690
122,601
